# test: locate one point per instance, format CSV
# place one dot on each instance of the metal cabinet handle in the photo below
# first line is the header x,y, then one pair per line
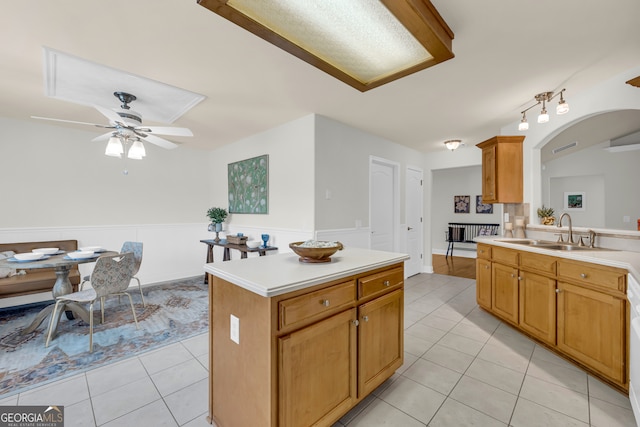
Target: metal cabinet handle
x,y
519,278
558,291
486,267
513,275
386,283
355,322
325,302
583,275
365,318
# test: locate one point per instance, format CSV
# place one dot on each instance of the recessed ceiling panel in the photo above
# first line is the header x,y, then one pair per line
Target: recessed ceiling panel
x,y
73,79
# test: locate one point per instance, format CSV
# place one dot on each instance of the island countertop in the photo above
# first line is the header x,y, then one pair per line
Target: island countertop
x,y
274,275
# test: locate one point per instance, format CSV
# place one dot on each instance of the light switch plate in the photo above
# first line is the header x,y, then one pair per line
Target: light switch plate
x,y
234,329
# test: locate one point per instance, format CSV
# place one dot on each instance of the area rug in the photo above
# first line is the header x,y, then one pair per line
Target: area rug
x,y
174,311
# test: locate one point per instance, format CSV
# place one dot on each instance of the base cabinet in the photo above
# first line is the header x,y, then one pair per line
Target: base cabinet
x,y
575,308
318,366
591,329
307,357
538,306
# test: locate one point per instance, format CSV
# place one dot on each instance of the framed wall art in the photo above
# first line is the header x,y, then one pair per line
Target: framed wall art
x,y
574,201
249,185
483,208
461,204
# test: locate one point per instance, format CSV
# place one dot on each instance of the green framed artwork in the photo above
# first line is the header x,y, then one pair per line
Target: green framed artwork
x,y
249,185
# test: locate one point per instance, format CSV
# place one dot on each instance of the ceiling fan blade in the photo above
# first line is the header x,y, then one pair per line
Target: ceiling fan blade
x,y
109,114
161,130
70,121
102,137
160,142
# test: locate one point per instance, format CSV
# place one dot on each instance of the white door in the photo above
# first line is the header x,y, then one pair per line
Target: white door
x,y
382,205
414,222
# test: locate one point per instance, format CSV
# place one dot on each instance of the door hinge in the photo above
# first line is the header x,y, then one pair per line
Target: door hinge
x,y
420,256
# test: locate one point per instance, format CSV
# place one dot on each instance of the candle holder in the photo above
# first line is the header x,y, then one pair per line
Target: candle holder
x,y
508,229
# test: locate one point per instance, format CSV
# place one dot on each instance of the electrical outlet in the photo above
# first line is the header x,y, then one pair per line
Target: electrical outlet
x,y
506,217
234,329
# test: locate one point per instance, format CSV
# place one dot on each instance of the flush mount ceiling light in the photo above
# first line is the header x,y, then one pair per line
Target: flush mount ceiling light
x,y
543,117
453,144
364,43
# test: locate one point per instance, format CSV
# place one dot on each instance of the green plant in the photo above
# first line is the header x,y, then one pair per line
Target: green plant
x,y
217,215
545,212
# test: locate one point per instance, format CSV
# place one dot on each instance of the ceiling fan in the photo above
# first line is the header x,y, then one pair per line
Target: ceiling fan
x,y
127,125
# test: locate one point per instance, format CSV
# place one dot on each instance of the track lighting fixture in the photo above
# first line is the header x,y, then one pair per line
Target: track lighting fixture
x,y
543,117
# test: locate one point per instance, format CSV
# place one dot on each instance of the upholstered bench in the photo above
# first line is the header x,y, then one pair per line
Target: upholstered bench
x,y
35,280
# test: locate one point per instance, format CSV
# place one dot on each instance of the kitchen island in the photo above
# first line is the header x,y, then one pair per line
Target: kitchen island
x,y
296,344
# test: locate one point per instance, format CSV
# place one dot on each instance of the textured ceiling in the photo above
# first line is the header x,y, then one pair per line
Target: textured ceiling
x,y
506,51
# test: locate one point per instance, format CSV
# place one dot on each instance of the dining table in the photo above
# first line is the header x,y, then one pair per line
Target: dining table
x,y
61,264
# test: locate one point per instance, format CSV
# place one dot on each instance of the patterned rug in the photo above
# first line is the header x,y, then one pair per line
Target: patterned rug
x,y
174,311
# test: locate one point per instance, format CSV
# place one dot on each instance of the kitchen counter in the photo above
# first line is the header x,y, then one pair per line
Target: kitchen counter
x,y
613,258
274,275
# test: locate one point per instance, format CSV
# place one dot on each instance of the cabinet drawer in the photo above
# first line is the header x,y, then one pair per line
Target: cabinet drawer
x,y
504,255
380,282
484,251
592,274
541,263
305,307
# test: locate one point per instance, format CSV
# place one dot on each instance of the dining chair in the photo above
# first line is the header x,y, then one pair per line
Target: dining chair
x,y
111,276
136,248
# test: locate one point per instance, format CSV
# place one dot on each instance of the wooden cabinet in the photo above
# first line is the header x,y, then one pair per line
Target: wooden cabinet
x,y
306,357
483,283
575,308
591,329
502,169
318,367
380,343
537,314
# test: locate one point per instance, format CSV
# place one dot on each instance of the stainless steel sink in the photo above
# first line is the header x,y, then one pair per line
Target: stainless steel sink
x,y
556,246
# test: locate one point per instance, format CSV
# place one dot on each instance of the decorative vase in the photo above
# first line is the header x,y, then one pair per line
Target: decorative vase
x,y
547,220
218,227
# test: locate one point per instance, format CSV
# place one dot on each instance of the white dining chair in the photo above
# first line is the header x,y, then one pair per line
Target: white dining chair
x,y
111,276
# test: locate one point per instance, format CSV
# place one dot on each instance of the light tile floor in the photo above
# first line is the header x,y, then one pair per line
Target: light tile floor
x,y
462,367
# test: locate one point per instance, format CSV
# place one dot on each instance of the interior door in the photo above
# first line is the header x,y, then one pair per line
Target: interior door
x,y
415,198
382,206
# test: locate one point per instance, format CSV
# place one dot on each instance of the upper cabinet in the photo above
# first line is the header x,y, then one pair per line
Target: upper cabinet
x,y
502,169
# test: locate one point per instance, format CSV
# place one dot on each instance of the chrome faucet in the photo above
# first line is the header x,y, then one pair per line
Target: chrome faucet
x,y
570,226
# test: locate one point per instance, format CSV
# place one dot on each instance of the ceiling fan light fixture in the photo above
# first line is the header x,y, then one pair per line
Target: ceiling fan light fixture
x,y
137,151
114,147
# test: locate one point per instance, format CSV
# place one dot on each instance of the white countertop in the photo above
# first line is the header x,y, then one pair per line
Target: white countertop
x,y
614,258
273,275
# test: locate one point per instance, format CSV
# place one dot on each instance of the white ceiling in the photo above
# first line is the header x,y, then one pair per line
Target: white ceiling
x,y
506,52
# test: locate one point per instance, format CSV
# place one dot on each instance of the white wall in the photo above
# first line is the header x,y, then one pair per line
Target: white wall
x,y
610,181
291,181
59,178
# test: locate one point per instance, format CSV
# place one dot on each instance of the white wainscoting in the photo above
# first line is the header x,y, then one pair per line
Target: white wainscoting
x,y
349,237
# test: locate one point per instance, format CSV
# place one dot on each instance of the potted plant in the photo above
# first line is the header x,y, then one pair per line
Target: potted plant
x,y
217,217
546,215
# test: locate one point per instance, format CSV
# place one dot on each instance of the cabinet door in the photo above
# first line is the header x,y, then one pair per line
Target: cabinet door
x,y
317,366
591,329
489,191
483,283
538,306
504,295
380,340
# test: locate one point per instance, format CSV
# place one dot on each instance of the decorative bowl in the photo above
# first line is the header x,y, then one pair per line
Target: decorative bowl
x,y
45,251
253,244
28,256
80,254
320,253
